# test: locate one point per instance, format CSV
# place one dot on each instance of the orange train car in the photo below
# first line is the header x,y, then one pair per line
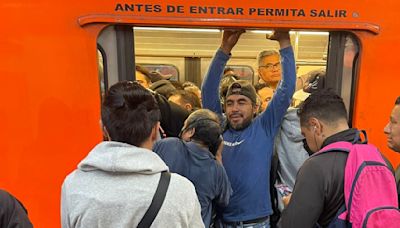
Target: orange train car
x,y
50,74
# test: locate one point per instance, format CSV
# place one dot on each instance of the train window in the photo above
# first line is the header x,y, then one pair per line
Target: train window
x,y
244,72
164,69
186,53
349,72
102,69
342,67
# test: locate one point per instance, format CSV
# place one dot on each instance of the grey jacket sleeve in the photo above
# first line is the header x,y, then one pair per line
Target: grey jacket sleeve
x,y
65,223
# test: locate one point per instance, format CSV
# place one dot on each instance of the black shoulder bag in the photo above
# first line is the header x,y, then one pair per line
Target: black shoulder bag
x,y
157,201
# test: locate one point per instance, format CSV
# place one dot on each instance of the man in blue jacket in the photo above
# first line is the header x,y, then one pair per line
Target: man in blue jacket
x,y
248,141
194,157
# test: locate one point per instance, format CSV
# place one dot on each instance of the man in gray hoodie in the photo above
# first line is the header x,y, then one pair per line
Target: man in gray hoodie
x,y
115,184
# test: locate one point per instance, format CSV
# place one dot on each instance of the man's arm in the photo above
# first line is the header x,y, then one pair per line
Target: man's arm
x,y
272,117
307,200
210,86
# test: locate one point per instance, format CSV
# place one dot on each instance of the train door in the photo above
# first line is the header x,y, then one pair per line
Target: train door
x,y
189,56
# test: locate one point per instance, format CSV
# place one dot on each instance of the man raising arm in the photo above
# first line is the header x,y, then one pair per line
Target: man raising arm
x,y
248,141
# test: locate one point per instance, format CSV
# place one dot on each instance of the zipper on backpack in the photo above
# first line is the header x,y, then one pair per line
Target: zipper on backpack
x,y
376,209
364,164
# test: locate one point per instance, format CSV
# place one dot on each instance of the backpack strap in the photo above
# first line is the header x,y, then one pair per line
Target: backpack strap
x,y
157,201
341,146
358,139
344,146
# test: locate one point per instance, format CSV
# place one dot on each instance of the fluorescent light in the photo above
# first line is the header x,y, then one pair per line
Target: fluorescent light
x,y
266,31
218,30
177,29
315,33
262,31
292,32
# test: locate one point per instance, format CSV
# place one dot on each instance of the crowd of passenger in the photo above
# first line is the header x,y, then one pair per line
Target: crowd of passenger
x,y
231,154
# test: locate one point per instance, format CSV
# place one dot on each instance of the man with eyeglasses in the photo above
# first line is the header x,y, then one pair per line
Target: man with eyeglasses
x,y
269,68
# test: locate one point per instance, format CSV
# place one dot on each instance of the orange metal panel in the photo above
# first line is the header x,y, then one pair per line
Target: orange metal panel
x,y
254,23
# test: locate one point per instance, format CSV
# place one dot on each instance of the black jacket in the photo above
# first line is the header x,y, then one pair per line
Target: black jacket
x,y
12,212
172,116
319,190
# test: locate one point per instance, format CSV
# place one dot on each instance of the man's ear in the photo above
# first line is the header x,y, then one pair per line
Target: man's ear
x,y
106,136
316,126
155,132
256,107
260,80
188,107
187,134
190,132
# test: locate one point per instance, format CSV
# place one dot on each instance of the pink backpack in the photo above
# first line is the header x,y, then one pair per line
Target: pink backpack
x,y
369,188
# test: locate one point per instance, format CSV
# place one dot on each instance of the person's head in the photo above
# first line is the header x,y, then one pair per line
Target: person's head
x,y
322,114
265,93
142,76
130,114
185,99
228,70
191,87
315,81
240,104
155,76
203,126
224,84
269,67
392,129
178,85
163,87
188,84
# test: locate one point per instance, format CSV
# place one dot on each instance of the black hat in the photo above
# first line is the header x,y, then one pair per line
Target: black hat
x,y
163,87
157,76
243,87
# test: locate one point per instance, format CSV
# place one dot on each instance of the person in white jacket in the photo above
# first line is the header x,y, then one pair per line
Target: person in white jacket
x,y
115,184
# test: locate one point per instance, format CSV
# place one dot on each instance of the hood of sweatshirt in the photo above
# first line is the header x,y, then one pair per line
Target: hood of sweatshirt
x,y
291,126
119,157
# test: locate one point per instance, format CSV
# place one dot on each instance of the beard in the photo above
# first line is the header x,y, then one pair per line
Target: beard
x,y
240,126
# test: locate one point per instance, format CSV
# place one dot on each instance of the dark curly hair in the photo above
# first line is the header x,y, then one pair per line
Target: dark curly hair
x,y
323,104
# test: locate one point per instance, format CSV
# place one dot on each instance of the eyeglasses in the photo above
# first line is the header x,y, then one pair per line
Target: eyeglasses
x,y
271,66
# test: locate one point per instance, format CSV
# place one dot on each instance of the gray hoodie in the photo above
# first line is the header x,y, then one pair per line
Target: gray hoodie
x,y
289,145
114,185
